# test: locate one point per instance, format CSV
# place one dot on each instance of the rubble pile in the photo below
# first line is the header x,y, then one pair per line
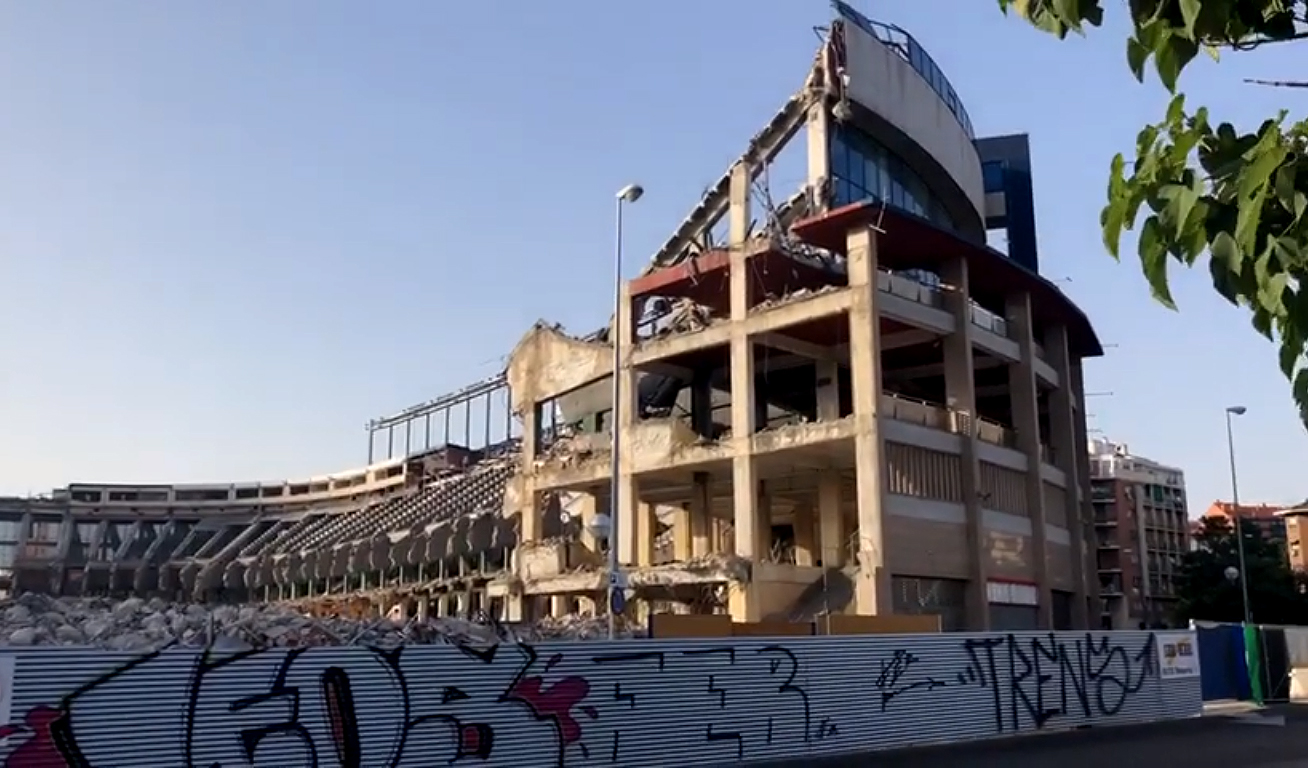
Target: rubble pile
x,y
138,625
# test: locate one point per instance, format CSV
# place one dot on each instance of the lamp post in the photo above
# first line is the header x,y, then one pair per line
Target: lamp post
x,y
1238,410
628,194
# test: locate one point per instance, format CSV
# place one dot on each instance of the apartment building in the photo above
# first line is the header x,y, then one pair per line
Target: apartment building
x,y
1141,531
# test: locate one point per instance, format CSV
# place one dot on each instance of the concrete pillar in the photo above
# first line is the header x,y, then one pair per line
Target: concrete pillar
x,y
1084,506
682,539
701,516
960,397
805,523
1026,421
873,585
462,604
828,390
424,607
1062,438
764,521
832,534
514,610
587,507
531,526
646,530
628,500
744,475
559,606
819,152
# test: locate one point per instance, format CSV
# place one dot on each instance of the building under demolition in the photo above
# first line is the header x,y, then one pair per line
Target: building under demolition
x,y
854,406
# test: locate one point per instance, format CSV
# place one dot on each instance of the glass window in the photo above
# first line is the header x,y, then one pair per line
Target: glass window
x,y
839,157
862,169
992,176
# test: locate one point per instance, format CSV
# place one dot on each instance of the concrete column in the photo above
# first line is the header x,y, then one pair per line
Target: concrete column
x,y
819,153
25,531
744,476
424,607
531,526
701,516
1026,421
682,540
1062,438
960,397
462,604
1084,505
587,506
765,513
628,499
558,606
805,523
514,610
873,586
828,390
646,529
832,534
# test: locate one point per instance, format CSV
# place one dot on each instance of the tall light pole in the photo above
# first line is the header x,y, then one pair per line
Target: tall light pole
x,y
1238,410
628,194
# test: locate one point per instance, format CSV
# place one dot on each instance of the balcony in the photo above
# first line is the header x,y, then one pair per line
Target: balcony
x,y
935,416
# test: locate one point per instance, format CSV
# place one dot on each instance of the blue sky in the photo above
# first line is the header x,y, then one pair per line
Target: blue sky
x,y
230,233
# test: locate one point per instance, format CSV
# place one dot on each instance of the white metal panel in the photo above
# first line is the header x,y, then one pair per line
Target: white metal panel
x,y
633,703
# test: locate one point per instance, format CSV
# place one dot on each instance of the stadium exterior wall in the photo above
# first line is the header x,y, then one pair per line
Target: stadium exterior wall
x,y
634,703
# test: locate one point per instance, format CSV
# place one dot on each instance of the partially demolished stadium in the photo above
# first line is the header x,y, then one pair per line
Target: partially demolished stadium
x,y
855,407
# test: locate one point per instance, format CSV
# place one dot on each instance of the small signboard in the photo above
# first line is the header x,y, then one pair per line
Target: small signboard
x,y
1178,655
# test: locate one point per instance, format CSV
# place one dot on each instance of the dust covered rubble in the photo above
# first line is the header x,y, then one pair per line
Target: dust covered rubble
x,y
140,625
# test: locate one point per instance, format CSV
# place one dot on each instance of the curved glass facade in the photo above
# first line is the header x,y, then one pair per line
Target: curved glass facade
x,y
863,169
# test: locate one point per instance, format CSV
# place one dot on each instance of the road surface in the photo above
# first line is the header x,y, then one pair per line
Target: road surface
x,y
1273,738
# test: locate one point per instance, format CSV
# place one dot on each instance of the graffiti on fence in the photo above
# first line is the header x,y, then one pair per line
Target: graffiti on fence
x,y
1035,679
392,707
512,705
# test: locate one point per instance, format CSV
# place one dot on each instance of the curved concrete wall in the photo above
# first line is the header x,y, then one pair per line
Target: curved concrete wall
x,y
884,82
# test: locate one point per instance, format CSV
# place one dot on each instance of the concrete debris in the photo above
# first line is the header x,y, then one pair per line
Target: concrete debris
x,y
136,625
801,294
685,316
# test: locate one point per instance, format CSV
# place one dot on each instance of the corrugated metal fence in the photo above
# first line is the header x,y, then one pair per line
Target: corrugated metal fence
x,y
631,703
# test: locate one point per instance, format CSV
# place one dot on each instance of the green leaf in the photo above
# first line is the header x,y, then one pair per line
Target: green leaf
x,y
1190,15
1226,252
1171,57
1153,260
1289,358
1180,201
1300,391
1136,56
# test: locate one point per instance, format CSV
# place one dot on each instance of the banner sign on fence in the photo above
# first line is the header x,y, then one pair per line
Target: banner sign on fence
x,y
1178,655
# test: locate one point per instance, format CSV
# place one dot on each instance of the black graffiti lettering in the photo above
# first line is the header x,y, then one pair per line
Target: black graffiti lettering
x,y
981,670
1036,680
782,660
733,736
627,697
890,680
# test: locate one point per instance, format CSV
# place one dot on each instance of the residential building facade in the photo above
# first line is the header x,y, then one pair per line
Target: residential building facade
x,y
1141,531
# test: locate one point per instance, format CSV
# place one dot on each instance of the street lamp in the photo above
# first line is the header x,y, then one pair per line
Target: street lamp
x,y
628,194
1238,410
